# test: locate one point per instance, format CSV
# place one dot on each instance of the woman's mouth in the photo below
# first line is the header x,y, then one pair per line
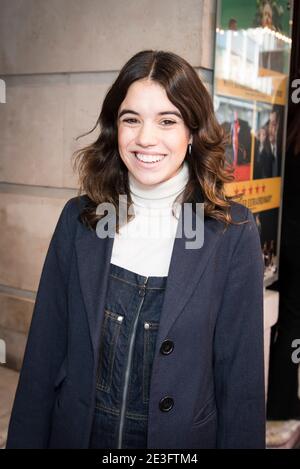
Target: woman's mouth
x,y
149,160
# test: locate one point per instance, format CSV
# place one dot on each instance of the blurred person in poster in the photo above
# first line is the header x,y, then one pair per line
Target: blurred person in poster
x,y
273,127
240,134
267,161
268,14
232,24
235,129
261,154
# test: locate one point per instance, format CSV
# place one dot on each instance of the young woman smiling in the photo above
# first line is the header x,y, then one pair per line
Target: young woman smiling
x,y
140,340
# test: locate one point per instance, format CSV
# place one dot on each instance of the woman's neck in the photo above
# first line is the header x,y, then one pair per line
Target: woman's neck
x,y
159,195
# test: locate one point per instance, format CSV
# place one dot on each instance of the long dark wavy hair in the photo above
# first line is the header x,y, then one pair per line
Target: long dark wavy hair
x,y
103,174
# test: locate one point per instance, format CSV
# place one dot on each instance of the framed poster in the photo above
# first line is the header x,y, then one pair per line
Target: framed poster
x,y
250,90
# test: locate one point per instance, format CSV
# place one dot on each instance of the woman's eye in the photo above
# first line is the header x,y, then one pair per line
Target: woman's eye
x,y
169,122
129,120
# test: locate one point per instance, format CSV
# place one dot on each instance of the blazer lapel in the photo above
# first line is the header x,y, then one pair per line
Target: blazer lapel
x,y
186,269
93,259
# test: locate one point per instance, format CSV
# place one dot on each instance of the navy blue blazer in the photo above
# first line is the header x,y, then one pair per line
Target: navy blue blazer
x,y
212,312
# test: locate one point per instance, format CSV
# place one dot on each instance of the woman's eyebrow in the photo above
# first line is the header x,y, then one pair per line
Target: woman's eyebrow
x,y
130,111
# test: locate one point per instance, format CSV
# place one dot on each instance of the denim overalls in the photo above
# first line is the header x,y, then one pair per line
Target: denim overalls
x,y
127,344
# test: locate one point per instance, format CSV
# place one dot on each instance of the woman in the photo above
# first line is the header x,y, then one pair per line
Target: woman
x,y
140,337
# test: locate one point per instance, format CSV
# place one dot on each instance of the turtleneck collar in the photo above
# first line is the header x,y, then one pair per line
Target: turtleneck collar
x,y
159,195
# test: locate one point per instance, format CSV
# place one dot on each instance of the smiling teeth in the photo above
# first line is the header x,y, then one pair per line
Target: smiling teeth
x,y
145,158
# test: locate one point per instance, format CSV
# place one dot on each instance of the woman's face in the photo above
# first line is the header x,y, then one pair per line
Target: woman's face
x,y
262,135
267,15
151,128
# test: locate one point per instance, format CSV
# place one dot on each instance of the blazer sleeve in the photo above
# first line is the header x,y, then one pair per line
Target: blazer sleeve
x,y
239,347
45,348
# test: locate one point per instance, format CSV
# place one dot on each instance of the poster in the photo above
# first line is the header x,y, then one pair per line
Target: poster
x,y
252,54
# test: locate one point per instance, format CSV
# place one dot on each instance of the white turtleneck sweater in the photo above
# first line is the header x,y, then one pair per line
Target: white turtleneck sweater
x,y
144,245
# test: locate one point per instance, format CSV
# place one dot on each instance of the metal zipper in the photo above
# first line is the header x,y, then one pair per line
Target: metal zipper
x,y
127,372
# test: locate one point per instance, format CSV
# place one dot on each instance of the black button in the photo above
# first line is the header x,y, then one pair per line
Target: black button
x,y
167,347
166,404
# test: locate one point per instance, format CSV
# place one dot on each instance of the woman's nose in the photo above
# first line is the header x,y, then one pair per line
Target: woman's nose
x,y
146,135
